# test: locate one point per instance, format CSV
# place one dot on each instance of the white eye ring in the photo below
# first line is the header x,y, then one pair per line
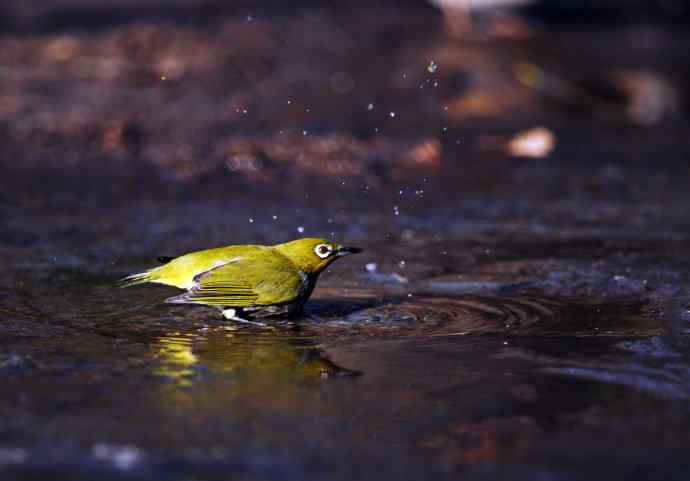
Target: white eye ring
x,y
321,252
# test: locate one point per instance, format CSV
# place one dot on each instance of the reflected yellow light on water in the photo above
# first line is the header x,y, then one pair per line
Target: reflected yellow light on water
x,y
244,357
177,358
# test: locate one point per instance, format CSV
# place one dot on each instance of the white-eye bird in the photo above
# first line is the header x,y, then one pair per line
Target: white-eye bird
x,y
247,280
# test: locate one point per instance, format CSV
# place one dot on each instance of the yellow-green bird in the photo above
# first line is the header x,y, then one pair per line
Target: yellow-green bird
x,y
247,280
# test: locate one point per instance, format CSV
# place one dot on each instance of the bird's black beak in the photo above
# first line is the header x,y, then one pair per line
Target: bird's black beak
x,y
346,251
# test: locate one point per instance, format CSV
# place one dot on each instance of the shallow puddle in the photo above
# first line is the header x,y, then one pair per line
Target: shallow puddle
x,y
448,384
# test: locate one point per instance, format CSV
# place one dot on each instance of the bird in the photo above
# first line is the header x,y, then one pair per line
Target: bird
x,y
246,281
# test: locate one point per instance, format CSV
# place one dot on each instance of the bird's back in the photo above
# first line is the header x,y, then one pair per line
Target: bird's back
x,y
181,271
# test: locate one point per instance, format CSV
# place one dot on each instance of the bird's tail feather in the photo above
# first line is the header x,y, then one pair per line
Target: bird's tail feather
x,y
135,279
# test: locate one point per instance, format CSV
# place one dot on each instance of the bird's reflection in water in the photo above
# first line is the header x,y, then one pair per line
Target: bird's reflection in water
x,y
247,356
246,386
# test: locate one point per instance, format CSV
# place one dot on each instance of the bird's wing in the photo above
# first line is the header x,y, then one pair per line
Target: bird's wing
x,y
245,282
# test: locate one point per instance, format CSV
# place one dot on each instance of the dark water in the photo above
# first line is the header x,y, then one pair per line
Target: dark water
x,y
424,379
510,318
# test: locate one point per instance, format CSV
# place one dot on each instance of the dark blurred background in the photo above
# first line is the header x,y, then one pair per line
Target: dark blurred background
x,y
500,99
189,122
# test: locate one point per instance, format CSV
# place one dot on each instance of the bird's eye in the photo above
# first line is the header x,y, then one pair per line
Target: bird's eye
x,y
323,250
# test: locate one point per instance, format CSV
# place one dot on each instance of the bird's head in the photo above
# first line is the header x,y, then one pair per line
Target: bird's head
x,y
313,255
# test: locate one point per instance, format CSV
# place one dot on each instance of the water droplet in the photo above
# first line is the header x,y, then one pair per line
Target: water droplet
x,y
401,264
392,115
300,229
371,267
432,67
304,132
249,18
251,220
396,210
275,217
122,457
370,106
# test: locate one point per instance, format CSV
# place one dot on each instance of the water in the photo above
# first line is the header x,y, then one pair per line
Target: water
x,y
480,355
492,352
455,380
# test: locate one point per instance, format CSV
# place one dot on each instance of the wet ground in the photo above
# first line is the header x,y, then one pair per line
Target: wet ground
x,y
510,318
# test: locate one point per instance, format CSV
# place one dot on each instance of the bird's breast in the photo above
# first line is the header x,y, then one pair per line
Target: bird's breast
x,y
308,284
